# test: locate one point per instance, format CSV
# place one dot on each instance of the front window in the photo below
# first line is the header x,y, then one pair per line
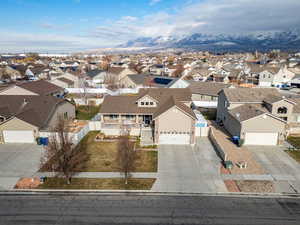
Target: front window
x,y
282,110
66,115
113,117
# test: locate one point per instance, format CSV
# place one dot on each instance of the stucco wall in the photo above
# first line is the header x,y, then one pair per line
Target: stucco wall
x,y
286,104
232,125
174,120
263,124
60,110
17,124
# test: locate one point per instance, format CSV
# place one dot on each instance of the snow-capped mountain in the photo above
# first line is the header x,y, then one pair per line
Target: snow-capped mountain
x,y
285,40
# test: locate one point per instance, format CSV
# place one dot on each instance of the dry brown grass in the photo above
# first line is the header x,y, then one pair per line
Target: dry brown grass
x,y
255,186
102,157
98,183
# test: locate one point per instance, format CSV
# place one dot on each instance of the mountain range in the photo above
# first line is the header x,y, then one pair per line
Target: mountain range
x,y
262,41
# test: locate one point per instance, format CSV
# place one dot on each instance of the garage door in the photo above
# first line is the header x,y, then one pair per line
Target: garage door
x,y
261,138
174,139
13,136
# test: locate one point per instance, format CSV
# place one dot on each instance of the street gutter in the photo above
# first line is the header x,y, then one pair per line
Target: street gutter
x,y
143,192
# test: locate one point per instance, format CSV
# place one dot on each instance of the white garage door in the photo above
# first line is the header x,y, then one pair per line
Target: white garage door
x,y
261,138
174,139
13,136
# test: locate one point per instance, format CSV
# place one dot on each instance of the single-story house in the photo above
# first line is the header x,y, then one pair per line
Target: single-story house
x,y
22,118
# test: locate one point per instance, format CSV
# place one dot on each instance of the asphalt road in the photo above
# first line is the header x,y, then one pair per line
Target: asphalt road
x,y
134,209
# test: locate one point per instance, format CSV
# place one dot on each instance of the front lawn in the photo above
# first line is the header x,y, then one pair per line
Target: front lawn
x,y
295,141
294,154
102,155
98,183
84,112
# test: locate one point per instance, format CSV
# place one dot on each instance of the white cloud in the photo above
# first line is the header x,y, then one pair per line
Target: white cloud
x,y
211,16
208,16
153,2
18,42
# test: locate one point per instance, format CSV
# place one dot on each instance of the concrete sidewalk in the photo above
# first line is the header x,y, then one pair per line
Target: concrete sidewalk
x,y
100,175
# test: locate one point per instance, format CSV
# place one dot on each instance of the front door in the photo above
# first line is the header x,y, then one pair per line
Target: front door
x,y
147,119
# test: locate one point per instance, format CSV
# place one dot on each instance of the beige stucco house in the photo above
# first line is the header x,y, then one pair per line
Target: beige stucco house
x,y
27,109
164,113
259,116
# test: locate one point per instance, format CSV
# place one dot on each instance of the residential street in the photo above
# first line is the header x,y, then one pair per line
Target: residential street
x,y
138,209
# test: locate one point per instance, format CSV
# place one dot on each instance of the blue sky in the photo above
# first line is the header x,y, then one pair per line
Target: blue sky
x,y
72,25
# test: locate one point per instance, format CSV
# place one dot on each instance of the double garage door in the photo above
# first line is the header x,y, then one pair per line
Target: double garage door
x,y
14,136
174,139
261,139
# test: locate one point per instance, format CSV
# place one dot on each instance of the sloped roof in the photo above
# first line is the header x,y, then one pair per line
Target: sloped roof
x,y
256,95
207,88
161,94
93,73
165,97
169,103
65,80
116,70
41,87
247,111
34,109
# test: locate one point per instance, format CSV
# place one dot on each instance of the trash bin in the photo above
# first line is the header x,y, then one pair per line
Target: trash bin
x,y
46,141
235,139
38,140
43,179
228,164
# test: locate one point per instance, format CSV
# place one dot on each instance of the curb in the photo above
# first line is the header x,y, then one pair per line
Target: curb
x,y
144,192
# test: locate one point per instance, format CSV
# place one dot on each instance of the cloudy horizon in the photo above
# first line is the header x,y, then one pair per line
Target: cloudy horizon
x,y
75,25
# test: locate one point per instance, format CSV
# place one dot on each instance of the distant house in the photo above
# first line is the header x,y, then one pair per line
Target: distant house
x,y
148,80
96,77
276,77
63,82
205,94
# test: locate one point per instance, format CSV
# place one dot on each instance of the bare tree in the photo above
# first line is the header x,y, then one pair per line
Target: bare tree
x,y
62,156
178,71
111,81
126,155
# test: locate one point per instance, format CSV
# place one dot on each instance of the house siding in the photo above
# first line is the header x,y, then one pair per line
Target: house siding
x,y
175,121
286,104
60,110
263,124
17,124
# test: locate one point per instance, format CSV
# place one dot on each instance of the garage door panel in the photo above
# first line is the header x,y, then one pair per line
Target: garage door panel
x,y
13,136
261,138
178,139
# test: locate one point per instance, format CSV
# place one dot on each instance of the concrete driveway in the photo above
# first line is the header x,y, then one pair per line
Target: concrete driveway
x,y
183,168
277,163
16,161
